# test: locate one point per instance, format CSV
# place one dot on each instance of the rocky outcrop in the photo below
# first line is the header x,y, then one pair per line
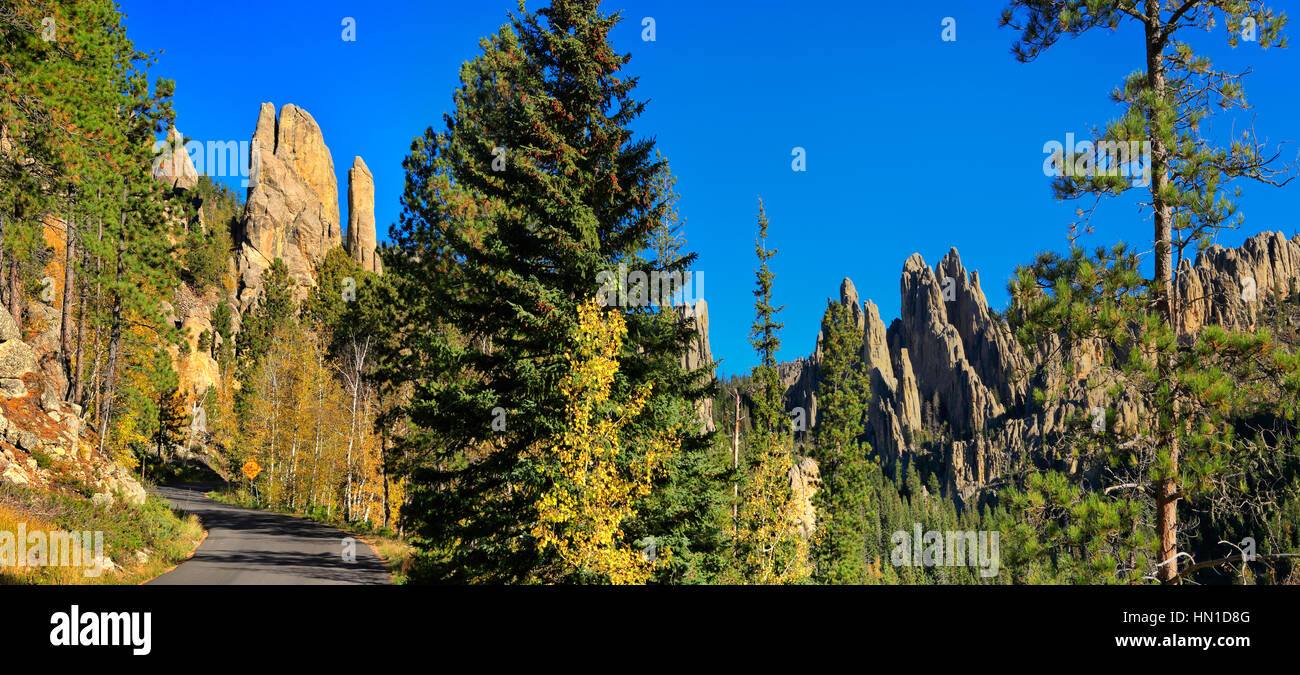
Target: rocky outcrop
x,y
361,216
894,412
17,359
799,379
52,451
804,477
195,367
292,211
173,166
43,442
947,363
1225,285
950,385
698,354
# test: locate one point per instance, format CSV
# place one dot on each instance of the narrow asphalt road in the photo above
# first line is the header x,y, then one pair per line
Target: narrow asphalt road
x,y
251,547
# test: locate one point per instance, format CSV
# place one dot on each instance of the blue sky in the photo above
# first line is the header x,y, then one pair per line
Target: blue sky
x,y
913,144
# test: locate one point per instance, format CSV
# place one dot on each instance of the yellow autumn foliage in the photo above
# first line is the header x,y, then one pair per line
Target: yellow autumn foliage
x,y
301,431
769,544
582,514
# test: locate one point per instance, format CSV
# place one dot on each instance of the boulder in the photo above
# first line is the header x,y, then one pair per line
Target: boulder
x,y
24,439
8,327
16,359
50,400
12,388
14,475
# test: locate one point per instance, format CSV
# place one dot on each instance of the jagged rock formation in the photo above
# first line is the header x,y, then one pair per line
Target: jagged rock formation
x,y
950,385
292,210
361,216
799,379
699,354
173,167
895,407
1224,284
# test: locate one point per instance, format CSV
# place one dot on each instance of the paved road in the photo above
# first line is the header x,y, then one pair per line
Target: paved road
x,y
250,547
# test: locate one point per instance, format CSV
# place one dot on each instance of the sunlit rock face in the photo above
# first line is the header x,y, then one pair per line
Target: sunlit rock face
x,y
292,211
361,216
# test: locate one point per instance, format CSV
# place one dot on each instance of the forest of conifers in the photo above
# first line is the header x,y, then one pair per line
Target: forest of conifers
x,y
486,396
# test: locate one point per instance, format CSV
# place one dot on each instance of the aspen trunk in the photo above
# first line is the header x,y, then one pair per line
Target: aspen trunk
x,y
735,460
383,469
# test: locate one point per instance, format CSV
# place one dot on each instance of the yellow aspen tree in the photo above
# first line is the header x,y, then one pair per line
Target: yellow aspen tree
x,y
591,496
225,425
772,550
769,548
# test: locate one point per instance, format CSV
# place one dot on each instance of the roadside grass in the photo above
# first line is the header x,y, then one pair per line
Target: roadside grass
x,y
166,537
397,554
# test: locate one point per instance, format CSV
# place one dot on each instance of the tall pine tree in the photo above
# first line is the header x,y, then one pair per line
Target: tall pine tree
x,y
1166,105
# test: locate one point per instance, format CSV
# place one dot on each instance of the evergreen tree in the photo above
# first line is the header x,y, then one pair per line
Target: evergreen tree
x,y
534,188
275,310
338,279
769,549
686,513
667,241
1167,104
1228,385
843,498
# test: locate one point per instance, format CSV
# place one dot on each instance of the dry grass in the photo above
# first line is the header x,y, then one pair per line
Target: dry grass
x,y
166,537
10,519
396,553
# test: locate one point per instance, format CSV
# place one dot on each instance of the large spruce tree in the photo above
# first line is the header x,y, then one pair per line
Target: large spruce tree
x,y
536,185
844,510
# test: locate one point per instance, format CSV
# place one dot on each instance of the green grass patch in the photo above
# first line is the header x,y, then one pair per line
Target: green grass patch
x,y
166,537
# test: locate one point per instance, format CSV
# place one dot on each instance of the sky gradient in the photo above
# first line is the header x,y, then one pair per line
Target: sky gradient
x,y
913,144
